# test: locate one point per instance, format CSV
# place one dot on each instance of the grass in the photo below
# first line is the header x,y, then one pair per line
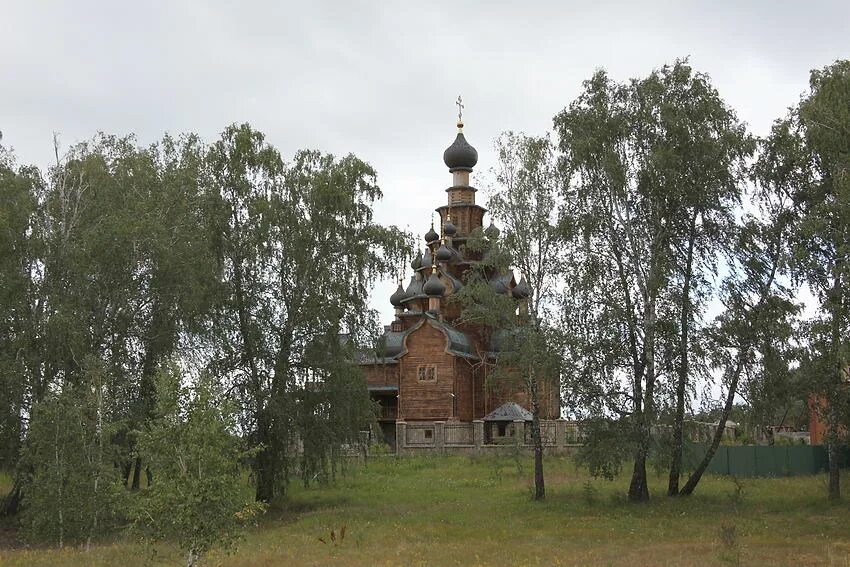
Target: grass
x,y
5,482
477,511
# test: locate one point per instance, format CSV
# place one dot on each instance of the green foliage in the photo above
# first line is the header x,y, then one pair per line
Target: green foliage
x,y
18,186
819,152
299,251
74,493
607,444
655,170
197,498
330,411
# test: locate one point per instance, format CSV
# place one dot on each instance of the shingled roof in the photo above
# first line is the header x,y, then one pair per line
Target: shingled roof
x,y
391,344
509,412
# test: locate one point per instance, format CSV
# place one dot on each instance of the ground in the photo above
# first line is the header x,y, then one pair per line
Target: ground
x,y
477,511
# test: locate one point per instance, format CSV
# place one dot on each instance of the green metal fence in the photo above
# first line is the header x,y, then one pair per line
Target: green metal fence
x,y
761,461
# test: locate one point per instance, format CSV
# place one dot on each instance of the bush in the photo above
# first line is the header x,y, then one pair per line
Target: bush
x,y
197,497
74,491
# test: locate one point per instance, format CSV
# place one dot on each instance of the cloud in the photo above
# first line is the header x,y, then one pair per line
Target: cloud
x,y
380,79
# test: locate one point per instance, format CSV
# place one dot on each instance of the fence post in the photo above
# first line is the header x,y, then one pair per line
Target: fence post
x,y
400,436
440,436
478,434
560,436
519,431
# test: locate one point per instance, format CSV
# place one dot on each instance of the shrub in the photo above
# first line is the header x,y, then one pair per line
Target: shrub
x,y
197,497
74,491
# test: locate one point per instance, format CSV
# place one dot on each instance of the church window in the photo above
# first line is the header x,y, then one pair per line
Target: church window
x,y
427,373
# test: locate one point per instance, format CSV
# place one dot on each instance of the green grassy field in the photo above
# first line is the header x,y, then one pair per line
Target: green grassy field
x,y
465,511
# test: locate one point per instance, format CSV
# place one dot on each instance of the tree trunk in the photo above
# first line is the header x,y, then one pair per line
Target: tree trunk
x,y
264,468
537,439
638,488
834,473
834,303
695,477
832,445
12,502
137,474
681,383
126,469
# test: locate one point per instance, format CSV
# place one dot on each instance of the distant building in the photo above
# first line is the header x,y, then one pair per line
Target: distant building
x,y
429,366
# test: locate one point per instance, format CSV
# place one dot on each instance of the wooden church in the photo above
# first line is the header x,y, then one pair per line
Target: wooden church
x,y
429,366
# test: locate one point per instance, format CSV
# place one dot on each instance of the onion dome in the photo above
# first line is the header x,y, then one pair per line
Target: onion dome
x,y
499,284
460,156
434,287
414,287
443,253
521,290
457,285
449,228
431,235
492,232
399,296
427,260
417,262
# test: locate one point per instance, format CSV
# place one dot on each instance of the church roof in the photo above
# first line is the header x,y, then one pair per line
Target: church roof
x,y
391,344
509,412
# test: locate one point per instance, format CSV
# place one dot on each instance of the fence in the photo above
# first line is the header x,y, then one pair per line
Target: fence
x,y
761,461
562,437
559,436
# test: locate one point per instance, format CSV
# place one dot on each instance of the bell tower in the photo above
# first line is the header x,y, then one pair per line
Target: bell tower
x,y
461,210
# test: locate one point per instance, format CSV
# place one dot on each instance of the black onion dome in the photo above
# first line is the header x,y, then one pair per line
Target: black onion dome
x,y
443,253
426,259
431,235
434,287
417,262
449,228
460,156
492,231
500,284
399,296
414,287
521,290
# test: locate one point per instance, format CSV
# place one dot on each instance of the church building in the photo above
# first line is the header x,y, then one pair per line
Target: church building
x,y
429,365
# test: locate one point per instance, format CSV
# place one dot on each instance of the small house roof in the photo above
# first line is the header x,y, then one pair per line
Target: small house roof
x,y
510,411
382,388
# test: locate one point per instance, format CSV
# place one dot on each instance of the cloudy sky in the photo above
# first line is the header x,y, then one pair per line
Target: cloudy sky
x,y
379,79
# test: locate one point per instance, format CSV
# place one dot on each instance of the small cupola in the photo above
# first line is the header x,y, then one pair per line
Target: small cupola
x,y
427,259
398,297
443,253
521,291
449,229
431,235
434,287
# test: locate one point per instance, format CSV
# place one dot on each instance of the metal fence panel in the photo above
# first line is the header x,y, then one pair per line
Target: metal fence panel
x,y
760,460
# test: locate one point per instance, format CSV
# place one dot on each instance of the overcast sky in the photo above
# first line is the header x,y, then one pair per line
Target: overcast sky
x,y
379,79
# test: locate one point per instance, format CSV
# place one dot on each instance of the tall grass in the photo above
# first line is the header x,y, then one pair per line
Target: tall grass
x,y
477,511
